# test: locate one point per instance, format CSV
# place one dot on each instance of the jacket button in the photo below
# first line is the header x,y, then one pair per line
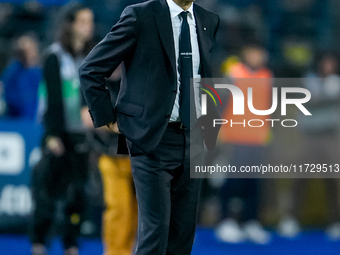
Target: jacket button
x,y
167,116
174,91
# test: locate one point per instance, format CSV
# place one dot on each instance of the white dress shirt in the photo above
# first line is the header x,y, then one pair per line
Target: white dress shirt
x,y
176,21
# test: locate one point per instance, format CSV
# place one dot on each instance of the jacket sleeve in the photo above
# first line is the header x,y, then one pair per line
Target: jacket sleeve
x,y
102,61
54,116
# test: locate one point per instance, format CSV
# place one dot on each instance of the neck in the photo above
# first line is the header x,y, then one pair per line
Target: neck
x,y
184,4
78,45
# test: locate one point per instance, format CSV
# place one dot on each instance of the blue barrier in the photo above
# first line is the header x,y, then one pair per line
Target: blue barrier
x,y
19,151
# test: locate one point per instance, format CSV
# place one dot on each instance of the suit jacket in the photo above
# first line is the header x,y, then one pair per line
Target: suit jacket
x,y
143,40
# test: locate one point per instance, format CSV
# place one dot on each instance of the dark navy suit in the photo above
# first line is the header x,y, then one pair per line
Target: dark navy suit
x,y
143,41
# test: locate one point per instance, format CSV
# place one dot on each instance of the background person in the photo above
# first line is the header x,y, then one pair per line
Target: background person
x,y
62,172
248,145
320,144
21,79
119,220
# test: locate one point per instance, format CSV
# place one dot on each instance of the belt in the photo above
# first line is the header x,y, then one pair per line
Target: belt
x,y
176,125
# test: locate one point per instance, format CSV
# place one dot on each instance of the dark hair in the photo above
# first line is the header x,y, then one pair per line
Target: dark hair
x,y
67,17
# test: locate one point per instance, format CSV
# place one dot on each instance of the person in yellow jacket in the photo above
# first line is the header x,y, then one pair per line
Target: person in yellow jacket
x,y
120,215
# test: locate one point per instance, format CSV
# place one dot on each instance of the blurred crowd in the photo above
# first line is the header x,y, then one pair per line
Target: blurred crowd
x,y
257,39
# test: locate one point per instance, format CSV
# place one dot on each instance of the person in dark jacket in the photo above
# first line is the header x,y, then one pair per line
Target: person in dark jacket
x,y
21,79
62,171
162,44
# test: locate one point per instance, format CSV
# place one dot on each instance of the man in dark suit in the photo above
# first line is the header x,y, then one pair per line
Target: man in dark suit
x,y
162,44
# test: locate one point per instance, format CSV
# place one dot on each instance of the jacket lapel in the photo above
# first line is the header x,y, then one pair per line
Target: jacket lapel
x,y
164,27
204,42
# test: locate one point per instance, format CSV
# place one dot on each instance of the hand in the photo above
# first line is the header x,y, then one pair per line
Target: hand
x,y
86,118
55,145
114,127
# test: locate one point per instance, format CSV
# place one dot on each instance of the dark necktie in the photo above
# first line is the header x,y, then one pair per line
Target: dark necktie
x,y
186,113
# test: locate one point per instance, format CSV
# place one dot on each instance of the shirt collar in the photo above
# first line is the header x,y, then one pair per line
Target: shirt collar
x,y
175,10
